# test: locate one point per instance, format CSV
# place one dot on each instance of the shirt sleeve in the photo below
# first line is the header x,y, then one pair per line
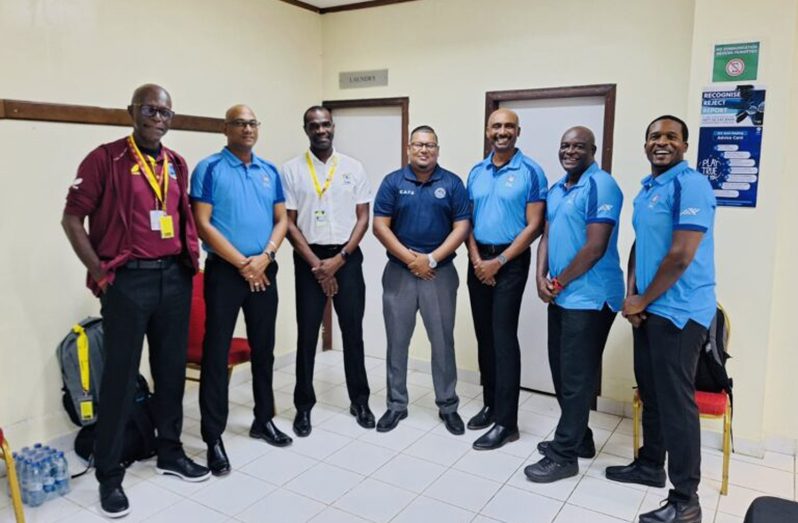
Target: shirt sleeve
x,y
279,195
363,187
461,205
384,203
288,187
87,188
604,201
694,203
538,187
201,186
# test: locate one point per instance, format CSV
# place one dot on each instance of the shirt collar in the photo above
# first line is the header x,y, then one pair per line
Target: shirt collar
x,y
513,164
410,176
315,158
235,161
667,176
590,171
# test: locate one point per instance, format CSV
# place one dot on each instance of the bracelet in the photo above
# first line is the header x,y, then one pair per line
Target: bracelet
x,y
557,285
273,245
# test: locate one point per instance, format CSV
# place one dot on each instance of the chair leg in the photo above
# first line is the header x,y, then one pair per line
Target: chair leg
x,y
229,373
636,408
13,483
724,486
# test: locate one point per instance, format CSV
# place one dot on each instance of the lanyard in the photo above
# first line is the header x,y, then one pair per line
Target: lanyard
x,y
149,173
319,189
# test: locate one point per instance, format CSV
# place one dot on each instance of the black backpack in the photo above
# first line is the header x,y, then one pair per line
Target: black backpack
x,y
711,375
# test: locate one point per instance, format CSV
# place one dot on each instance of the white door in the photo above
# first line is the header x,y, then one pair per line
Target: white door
x,y
543,123
372,135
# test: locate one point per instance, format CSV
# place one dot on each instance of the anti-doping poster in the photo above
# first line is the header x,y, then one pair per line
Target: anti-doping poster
x,y
730,142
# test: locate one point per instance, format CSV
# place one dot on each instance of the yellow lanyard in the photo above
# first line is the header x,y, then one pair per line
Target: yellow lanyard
x,y
319,189
83,355
149,173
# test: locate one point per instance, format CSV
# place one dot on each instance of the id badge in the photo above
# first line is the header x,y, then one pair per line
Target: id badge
x,y
155,220
321,218
167,227
86,404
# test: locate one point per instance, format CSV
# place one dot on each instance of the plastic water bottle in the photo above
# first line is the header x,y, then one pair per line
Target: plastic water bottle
x,y
22,474
35,484
61,470
48,478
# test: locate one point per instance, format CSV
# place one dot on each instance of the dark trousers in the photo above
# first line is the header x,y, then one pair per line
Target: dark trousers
x,y
226,292
576,342
155,303
495,311
665,360
350,304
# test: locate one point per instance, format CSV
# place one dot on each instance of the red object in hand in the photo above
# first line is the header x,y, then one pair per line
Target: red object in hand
x,y
557,285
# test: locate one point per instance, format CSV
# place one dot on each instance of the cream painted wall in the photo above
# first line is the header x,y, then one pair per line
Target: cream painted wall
x,y
446,54
209,55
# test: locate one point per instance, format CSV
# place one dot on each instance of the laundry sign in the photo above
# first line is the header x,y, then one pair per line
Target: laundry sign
x,y
358,79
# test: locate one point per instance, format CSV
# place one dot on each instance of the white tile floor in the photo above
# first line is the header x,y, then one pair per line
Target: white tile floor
x,y
416,473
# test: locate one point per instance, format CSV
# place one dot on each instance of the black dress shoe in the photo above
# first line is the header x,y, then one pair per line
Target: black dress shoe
x,y
674,512
113,502
363,415
496,437
217,459
587,449
547,471
183,468
636,472
269,433
302,426
390,420
482,419
453,422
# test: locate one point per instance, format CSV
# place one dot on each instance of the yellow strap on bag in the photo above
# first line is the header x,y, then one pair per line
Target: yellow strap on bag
x,y
83,356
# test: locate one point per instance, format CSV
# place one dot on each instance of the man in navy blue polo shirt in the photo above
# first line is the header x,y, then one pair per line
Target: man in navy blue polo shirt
x,y
670,303
240,211
508,195
579,275
421,216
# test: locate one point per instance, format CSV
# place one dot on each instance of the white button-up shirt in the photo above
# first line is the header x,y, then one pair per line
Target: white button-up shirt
x,y
329,219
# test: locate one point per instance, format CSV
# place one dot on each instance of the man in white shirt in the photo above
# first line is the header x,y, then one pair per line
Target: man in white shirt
x,y
327,196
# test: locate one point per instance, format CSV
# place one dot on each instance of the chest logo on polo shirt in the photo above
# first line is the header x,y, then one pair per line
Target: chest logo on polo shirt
x,y
347,178
407,192
440,193
172,172
135,171
267,182
510,180
653,201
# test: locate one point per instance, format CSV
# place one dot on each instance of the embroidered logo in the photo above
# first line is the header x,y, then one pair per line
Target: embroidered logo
x,y
605,208
347,179
440,193
172,173
77,182
510,181
408,192
266,180
690,211
135,170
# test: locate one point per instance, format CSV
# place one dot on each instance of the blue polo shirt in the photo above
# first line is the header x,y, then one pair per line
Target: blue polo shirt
x,y
243,198
678,199
499,197
422,214
595,198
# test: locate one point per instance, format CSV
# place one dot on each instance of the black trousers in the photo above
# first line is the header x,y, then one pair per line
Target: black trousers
x,y
576,342
226,292
350,304
155,303
665,360
495,312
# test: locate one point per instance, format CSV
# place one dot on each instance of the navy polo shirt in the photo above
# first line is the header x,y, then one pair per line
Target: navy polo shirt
x,y
595,198
500,196
243,198
422,214
681,198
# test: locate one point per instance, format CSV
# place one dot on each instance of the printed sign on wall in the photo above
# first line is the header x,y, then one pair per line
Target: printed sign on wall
x,y
735,62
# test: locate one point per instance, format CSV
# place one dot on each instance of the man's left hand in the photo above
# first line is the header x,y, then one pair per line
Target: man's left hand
x,y
633,305
328,267
255,266
486,270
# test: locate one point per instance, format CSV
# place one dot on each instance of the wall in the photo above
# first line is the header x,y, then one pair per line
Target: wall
x,y
209,55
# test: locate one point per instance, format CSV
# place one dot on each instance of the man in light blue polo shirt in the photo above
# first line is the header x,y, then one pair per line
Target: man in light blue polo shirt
x,y
239,207
579,275
421,216
670,303
508,196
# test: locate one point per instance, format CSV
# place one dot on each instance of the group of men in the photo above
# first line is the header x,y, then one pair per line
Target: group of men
x,y
141,251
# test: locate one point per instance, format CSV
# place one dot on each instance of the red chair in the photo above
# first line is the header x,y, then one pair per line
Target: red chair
x,y
239,347
13,483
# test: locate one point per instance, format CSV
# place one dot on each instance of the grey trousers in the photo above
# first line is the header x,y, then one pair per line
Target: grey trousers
x,y
404,295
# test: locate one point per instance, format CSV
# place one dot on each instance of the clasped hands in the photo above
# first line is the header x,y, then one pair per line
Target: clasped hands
x,y
419,266
253,270
324,271
485,270
634,309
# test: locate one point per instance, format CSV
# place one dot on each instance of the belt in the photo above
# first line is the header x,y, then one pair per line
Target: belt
x,y
333,248
486,248
160,263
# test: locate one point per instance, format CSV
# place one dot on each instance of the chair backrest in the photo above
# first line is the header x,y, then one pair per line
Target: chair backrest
x,y
196,322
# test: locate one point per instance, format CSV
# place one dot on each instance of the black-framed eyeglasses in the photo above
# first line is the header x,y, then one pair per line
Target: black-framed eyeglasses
x,y
241,124
149,111
417,146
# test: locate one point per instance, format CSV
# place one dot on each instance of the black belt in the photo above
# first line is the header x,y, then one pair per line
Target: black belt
x,y
160,263
332,248
486,248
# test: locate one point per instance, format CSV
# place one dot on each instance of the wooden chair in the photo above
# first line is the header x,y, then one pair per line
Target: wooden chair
x,y
239,347
13,482
711,405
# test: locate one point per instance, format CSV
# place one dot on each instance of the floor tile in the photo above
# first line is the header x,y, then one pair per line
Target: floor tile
x,y
602,420
363,458
146,500
607,498
574,514
375,501
720,517
773,460
462,490
438,449
619,445
738,500
242,450
232,493
427,509
398,439
542,404
281,506
279,467
536,424
320,444
341,423
422,418
325,483
81,516
526,445
517,506
333,515
188,510
410,473
489,465
49,512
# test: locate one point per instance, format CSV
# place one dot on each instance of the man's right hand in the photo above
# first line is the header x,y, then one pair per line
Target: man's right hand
x,y
636,319
329,286
546,290
101,277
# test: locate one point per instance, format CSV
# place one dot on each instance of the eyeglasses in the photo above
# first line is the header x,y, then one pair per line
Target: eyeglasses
x,y
241,124
149,111
418,146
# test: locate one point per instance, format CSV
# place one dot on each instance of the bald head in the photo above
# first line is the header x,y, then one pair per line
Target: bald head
x,y
503,115
577,150
147,91
237,110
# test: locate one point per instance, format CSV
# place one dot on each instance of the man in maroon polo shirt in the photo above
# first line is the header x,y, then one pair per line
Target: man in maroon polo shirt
x,y
141,252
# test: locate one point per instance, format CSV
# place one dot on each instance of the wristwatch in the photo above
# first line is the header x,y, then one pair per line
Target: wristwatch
x,y
270,254
432,261
502,259
344,254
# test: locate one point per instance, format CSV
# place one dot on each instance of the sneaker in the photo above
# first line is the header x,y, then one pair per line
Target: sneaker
x,y
113,502
184,469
